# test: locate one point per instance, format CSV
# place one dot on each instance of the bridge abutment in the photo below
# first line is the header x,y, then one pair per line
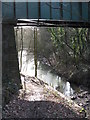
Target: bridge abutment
x,y
10,67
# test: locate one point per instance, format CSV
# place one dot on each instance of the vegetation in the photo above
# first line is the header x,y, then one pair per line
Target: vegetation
x,y
66,50
73,42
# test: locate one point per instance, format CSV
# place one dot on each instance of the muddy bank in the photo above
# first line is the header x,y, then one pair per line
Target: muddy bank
x,y
83,99
79,75
38,100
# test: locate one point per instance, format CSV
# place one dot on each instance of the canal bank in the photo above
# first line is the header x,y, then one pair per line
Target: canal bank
x,y
39,100
45,73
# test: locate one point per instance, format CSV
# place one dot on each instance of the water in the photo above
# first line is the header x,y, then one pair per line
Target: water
x,y
44,73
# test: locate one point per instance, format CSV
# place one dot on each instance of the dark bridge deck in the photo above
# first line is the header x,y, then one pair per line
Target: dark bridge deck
x,y
47,23
47,14
53,23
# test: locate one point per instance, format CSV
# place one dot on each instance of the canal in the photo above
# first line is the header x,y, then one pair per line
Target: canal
x,y
44,73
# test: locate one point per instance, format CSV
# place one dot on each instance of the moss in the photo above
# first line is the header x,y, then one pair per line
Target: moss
x,y
9,88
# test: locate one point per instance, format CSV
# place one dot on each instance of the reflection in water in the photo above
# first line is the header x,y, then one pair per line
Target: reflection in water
x,y
44,73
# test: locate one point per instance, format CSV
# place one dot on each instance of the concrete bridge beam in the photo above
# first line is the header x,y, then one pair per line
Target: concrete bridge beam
x,y
10,67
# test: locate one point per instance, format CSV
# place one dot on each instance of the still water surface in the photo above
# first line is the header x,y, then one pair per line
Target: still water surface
x,y
44,73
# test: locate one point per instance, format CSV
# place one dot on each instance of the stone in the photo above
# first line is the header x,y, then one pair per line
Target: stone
x,y
73,97
81,96
85,92
80,104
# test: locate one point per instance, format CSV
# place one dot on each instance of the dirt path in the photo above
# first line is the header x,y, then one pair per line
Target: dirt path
x,y
38,100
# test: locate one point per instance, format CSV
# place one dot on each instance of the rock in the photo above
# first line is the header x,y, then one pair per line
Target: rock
x,y
81,96
85,92
86,96
73,97
80,104
87,104
87,101
80,77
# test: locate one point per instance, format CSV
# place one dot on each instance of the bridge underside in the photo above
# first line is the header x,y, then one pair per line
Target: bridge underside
x,y
10,66
47,23
47,14
53,23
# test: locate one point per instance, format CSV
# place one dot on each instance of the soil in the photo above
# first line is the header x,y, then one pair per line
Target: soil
x,y
38,100
83,100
